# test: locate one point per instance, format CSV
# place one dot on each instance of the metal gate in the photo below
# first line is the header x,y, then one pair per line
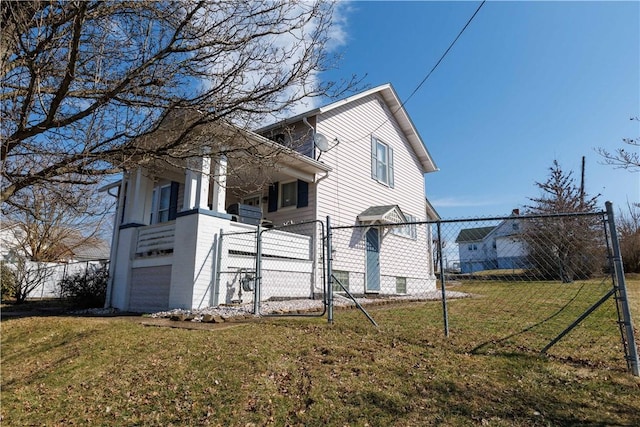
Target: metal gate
x,y
280,270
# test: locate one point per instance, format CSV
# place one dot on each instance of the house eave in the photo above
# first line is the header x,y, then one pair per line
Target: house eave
x,y
390,96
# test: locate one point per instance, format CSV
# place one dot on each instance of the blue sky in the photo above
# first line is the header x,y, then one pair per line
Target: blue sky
x,y
526,84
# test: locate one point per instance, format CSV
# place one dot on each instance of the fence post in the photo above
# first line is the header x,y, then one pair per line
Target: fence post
x,y
622,293
218,265
445,312
258,279
329,257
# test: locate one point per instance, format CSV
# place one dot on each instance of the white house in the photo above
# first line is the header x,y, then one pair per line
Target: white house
x,y
360,161
493,247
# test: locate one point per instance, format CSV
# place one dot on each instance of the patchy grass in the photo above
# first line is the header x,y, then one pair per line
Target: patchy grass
x,y
633,293
304,372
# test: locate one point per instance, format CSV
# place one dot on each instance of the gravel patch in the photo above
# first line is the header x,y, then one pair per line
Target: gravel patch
x,y
225,313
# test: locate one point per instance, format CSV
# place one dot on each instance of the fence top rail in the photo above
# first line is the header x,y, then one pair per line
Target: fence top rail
x,y
283,227
492,218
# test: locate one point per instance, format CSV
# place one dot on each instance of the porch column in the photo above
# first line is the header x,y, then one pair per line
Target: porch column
x,y
139,191
196,191
220,184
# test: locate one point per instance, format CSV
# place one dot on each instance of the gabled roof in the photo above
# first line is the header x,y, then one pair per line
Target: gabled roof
x,y
389,95
432,214
387,214
473,234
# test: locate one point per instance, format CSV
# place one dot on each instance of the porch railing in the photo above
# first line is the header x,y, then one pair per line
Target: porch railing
x,y
157,238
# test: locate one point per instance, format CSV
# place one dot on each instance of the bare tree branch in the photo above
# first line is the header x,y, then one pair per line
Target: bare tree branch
x,y
626,157
83,82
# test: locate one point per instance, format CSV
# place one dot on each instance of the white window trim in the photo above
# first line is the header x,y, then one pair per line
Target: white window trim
x,y
155,204
409,231
389,168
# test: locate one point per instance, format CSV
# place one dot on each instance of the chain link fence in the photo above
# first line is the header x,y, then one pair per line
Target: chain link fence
x,y
277,264
514,284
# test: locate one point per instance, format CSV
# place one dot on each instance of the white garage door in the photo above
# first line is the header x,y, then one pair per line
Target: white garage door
x,y
150,289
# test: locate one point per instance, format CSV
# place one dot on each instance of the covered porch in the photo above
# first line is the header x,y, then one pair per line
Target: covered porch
x,y
165,249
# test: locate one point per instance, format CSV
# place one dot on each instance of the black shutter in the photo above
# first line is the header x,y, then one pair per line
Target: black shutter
x,y
273,197
173,200
303,194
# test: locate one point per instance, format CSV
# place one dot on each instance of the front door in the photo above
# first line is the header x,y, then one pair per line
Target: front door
x,y
373,260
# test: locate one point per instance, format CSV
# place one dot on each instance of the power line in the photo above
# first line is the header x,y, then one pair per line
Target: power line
x,y
443,55
433,68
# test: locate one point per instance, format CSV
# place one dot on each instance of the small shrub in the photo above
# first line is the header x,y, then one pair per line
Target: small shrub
x,y
7,281
86,289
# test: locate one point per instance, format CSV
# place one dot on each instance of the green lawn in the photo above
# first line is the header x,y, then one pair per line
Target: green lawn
x,y
115,371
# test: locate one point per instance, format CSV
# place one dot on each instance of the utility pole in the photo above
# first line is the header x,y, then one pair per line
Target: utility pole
x,y
582,184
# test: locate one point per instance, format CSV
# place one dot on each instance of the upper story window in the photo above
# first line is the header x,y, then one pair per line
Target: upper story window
x,y
289,194
381,162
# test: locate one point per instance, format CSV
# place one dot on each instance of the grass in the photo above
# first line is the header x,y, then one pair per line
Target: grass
x,y
115,371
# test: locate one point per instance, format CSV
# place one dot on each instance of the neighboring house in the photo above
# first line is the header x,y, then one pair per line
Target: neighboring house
x,y
494,247
359,161
73,254
70,247
10,235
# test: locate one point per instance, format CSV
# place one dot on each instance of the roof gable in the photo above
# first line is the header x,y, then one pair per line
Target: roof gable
x,y
389,96
387,214
473,234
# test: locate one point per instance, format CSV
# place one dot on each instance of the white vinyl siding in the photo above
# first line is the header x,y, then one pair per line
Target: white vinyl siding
x,y
150,288
349,189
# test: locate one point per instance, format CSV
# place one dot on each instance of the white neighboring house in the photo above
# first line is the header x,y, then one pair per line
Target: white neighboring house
x,y
77,254
493,247
369,172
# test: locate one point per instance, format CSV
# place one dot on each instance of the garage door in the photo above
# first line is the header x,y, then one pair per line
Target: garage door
x,y
150,289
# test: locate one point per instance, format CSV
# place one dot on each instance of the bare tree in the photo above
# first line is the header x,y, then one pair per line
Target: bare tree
x,y
57,222
562,248
628,228
626,157
27,277
52,224
84,82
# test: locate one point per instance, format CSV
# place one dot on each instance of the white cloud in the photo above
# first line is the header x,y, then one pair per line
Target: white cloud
x,y
462,202
337,37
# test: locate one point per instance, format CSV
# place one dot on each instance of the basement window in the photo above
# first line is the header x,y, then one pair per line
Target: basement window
x,y
343,277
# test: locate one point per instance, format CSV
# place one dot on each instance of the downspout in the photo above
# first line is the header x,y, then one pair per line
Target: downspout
x,y
114,242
